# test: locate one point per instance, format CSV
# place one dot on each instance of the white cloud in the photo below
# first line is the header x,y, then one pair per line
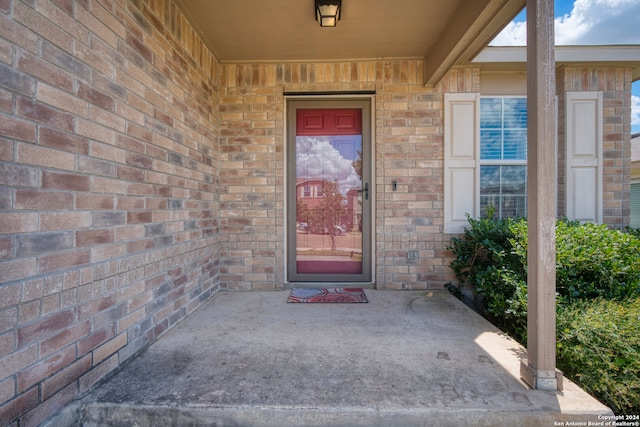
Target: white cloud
x,y
514,34
317,158
591,22
635,110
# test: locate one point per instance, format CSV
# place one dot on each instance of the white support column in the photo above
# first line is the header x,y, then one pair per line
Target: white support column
x,y
539,371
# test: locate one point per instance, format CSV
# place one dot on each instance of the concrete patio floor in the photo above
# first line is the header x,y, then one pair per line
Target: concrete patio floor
x,y
407,358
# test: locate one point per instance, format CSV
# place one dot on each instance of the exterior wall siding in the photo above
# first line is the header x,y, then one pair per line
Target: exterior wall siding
x,y
408,146
108,191
138,176
615,84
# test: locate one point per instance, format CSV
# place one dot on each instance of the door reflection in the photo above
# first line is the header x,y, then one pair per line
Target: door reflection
x,y
329,204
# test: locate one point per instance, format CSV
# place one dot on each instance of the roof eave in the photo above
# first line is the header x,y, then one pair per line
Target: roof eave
x,y
473,26
515,57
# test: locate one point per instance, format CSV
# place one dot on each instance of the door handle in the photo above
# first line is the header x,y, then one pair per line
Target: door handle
x,y
365,190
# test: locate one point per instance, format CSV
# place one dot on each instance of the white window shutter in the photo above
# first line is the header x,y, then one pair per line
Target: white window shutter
x,y
461,155
584,141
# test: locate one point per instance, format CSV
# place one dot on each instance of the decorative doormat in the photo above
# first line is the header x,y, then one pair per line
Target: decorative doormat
x,y
349,295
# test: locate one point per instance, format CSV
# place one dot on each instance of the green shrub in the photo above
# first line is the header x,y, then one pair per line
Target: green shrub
x,y
598,346
591,261
598,295
486,264
634,231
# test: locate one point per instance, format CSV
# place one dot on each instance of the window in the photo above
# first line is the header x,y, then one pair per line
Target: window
x,y
635,204
485,157
307,191
503,156
319,191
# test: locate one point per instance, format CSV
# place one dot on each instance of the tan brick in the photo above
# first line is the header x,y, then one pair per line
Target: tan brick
x,y
62,100
45,368
95,97
50,406
15,175
41,113
93,237
50,221
19,360
28,311
130,232
44,327
94,201
141,217
6,247
107,152
66,376
102,23
109,348
10,295
11,223
42,26
131,319
46,157
64,260
65,181
18,129
107,185
95,339
7,389
107,252
108,119
65,338
99,372
94,58
7,344
6,150
95,131
140,245
63,141
130,174
132,203
43,200
43,70
17,33
32,289
18,406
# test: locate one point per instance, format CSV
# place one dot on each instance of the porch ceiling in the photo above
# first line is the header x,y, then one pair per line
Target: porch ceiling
x,y
445,33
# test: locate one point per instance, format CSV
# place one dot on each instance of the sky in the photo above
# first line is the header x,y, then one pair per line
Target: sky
x,y
588,22
316,157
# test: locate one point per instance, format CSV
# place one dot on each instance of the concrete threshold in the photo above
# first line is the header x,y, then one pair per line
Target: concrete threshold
x,y
407,358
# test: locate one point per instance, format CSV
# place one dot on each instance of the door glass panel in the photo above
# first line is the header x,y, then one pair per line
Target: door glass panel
x,y
329,200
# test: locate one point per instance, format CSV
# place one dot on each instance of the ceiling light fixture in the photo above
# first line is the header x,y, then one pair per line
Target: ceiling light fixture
x,y
328,12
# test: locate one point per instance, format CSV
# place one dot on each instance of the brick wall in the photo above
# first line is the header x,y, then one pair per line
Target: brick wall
x,y
615,84
408,147
108,190
138,176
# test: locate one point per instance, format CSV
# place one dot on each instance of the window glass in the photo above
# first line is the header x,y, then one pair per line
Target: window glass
x,y
505,189
635,204
490,113
515,113
503,156
490,144
514,144
503,128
